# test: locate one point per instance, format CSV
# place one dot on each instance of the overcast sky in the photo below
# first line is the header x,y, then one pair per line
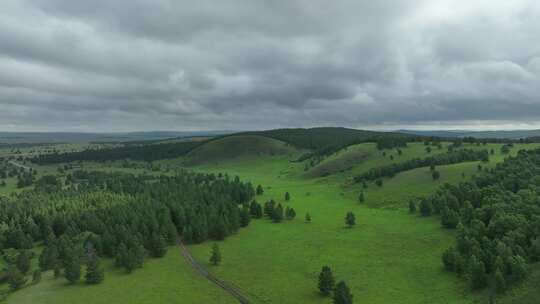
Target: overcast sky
x,y
124,65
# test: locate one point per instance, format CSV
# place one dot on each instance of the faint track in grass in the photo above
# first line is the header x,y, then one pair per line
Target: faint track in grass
x,y
228,287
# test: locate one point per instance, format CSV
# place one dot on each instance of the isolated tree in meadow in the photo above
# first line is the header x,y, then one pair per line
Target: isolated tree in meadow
x,y
23,261
350,219
428,149
364,184
326,281
16,278
435,175
308,218
412,206
215,256
432,167
94,273
342,294
259,190
361,197
287,196
379,182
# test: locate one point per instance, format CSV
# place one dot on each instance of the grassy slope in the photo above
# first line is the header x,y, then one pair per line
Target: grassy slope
x,y
359,158
236,147
165,280
389,257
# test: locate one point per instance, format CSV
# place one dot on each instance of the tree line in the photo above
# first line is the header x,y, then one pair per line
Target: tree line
x,y
451,157
121,216
497,215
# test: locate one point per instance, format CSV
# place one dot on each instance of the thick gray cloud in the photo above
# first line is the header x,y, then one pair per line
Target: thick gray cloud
x,y
168,64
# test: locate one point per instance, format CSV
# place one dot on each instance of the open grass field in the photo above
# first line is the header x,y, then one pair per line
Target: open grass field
x,y
390,256
165,280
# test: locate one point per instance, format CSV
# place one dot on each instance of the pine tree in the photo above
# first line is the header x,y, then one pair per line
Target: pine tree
x,y
499,283
94,273
57,271
16,278
215,257
361,198
48,257
23,261
326,281
277,214
287,196
259,190
158,248
412,206
36,276
342,294
308,218
73,270
350,219
245,217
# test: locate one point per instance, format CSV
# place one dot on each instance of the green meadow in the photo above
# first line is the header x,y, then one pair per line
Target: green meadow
x,y
389,256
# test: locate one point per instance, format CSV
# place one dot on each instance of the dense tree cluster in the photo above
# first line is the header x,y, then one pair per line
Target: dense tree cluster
x,y
448,158
144,152
121,216
497,215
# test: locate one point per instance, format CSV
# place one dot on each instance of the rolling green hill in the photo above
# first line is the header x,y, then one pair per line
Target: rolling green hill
x,y
237,147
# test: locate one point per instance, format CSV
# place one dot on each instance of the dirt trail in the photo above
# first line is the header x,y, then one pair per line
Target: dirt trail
x,y
233,290
19,165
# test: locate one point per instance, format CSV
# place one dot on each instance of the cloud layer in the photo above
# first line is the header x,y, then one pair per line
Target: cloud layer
x,y
162,64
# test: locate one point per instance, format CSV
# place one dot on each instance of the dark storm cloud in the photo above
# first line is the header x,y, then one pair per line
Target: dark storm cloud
x,y
163,64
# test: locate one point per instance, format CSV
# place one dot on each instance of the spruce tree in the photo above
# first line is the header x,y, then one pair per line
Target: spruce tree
x,y
215,257
361,198
36,276
259,190
342,294
326,281
73,270
23,261
350,219
158,248
277,214
412,206
308,218
245,217
499,283
94,273
287,196
16,278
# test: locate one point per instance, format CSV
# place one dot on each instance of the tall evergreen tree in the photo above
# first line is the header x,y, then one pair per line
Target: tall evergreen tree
x,y
350,219
72,271
94,273
277,214
326,281
287,196
361,198
259,190
16,278
308,218
23,261
215,257
342,294
158,247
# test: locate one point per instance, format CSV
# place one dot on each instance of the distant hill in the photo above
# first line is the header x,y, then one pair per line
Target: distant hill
x,y
76,137
237,146
327,140
511,134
